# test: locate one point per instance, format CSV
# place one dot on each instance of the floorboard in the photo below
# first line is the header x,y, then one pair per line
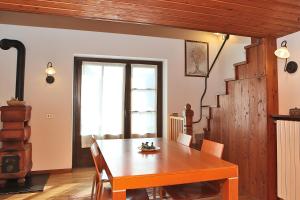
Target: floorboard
x,y
70,186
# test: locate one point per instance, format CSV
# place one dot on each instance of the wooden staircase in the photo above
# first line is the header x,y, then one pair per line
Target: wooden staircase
x,y
241,120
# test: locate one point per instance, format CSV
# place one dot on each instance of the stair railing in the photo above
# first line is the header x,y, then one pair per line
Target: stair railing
x,y
206,77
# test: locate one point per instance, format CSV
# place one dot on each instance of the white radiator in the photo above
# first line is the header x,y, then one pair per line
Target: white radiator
x,y
288,160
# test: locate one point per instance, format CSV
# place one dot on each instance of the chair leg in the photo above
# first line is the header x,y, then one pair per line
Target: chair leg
x,y
93,187
154,193
162,193
99,190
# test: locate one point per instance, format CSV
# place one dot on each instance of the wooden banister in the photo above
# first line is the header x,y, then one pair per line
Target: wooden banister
x,y
188,115
181,124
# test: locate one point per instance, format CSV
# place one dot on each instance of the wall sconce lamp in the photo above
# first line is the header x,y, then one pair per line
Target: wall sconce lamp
x,y
50,71
221,35
283,53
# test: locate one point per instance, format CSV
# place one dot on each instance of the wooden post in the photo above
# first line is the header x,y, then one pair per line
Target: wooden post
x,y
270,64
188,114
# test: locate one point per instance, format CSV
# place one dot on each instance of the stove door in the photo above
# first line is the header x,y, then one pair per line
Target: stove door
x,y
10,164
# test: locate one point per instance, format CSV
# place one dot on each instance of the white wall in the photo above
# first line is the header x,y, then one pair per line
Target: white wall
x,y
288,84
52,139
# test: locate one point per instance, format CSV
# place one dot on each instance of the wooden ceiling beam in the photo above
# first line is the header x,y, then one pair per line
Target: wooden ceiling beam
x,y
155,9
128,14
289,3
273,5
209,7
142,20
191,14
216,12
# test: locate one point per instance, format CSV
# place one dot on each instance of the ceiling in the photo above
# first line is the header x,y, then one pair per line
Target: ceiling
x,y
255,18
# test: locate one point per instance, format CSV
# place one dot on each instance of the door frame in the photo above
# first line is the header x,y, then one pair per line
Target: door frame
x,y
86,159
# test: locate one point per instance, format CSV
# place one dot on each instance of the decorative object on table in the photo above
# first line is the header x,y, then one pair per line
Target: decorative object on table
x,y
295,112
50,71
283,53
196,58
145,147
15,102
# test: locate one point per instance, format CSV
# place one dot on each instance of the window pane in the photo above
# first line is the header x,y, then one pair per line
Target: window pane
x,y
91,93
142,123
143,76
102,100
113,98
143,100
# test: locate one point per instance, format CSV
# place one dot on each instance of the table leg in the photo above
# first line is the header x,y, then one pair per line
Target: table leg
x,y
119,195
230,189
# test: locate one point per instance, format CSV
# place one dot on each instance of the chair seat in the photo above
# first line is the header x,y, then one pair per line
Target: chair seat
x,y
137,194
192,191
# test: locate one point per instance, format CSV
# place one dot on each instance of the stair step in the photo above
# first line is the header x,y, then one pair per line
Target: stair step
x,y
209,106
251,45
240,63
229,79
205,106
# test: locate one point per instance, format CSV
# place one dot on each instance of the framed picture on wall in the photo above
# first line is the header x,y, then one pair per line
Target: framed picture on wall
x,y
196,58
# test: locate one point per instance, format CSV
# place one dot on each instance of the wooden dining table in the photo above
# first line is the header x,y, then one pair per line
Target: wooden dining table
x,y
174,163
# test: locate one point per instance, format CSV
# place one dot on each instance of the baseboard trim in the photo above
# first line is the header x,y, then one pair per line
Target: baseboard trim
x,y
52,171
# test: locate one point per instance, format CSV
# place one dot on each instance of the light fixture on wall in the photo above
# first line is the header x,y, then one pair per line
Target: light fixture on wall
x,y
50,71
283,53
220,35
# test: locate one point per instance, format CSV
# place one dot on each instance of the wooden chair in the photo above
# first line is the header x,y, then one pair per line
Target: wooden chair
x,y
103,191
212,148
184,139
104,177
202,189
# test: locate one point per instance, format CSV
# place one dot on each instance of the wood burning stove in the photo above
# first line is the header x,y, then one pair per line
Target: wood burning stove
x,y
16,151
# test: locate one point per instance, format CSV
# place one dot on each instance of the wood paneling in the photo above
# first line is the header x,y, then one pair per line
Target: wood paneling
x,y
243,121
270,64
242,17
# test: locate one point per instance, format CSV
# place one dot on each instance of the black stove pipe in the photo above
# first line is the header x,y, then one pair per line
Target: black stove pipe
x,y
6,44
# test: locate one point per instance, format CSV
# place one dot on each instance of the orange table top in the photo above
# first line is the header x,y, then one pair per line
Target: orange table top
x,y
174,163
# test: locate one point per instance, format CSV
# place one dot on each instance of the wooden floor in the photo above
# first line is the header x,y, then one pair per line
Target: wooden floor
x,y
69,186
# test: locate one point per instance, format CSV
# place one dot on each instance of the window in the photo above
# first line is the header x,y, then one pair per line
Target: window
x,y
117,99
143,99
102,104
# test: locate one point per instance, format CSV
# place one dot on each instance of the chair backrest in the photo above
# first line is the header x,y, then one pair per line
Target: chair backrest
x,y
97,159
213,148
93,139
184,139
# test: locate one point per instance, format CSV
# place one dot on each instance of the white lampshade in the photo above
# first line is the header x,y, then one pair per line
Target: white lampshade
x,y
282,52
50,71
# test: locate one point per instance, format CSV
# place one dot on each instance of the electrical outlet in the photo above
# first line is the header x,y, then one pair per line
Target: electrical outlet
x,y
49,116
